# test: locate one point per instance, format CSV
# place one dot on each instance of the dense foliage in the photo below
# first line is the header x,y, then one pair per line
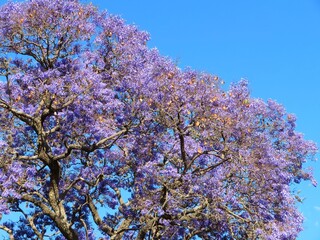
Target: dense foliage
x,y
101,136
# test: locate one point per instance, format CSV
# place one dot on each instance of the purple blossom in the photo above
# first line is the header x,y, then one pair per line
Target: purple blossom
x,y
99,133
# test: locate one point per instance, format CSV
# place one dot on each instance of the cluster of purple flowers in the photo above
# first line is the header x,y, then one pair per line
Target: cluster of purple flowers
x,y
102,136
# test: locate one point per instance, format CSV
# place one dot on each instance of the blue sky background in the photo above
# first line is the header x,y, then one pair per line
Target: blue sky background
x,y
275,44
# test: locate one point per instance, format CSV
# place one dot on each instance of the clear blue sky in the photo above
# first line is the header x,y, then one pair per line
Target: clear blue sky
x,y
275,44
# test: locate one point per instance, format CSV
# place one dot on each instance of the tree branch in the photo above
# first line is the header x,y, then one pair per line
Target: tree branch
x,y
8,230
19,114
97,219
88,148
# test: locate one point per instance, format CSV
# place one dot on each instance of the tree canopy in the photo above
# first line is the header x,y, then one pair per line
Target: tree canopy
x,y
101,136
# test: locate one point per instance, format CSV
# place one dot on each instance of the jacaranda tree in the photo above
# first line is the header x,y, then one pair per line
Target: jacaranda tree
x,y
102,137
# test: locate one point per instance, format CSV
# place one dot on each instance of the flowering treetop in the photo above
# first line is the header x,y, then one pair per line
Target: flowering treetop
x,y
102,136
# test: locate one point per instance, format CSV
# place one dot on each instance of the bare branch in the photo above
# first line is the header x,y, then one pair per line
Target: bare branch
x,y
97,219
8,230
28,158
19,114
33,226
89,148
